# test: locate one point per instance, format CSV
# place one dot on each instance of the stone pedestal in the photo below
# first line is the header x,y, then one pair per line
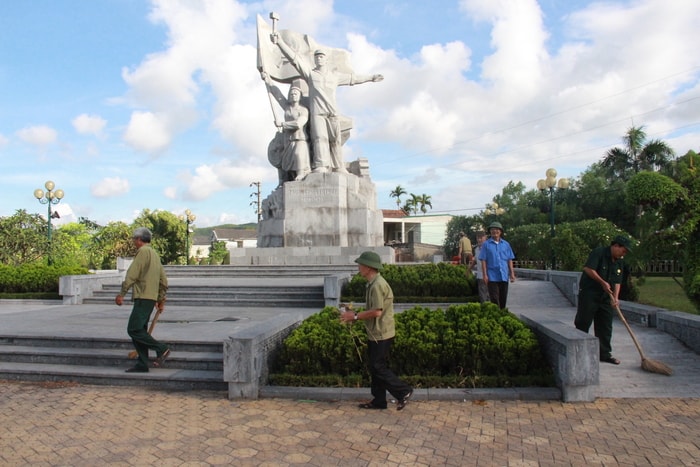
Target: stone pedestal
x,y
324,209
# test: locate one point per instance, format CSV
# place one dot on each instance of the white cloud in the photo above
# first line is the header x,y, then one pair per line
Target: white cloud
x,y
89,124
210,179
110,187
170,192
40,135
3,140
148,132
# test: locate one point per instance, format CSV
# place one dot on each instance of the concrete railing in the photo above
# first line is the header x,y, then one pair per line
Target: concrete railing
x,y
566,281
333,287
573,356
683,326
74,289
248,352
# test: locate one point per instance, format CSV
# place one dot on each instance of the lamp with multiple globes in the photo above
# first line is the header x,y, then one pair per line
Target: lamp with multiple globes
x,y
49,197
549,185
188,218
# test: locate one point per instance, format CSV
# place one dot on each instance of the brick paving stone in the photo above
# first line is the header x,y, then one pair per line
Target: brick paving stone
x,y
91,425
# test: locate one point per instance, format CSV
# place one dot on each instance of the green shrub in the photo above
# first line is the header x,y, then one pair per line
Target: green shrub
x,y
469,345
420,283
35,277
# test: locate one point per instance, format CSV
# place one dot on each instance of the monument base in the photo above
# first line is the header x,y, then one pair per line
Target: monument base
x,y
306,255
322,210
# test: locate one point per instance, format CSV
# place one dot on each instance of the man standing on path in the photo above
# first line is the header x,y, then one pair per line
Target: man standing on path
x,y
379,322
147,276
496,258
601,278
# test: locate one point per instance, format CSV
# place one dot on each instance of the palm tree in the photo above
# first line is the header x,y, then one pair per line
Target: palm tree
x,y
412,205
638,155
423,201
397,193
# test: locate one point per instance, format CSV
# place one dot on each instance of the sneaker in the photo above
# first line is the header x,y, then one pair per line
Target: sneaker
x,y
404,400
161,358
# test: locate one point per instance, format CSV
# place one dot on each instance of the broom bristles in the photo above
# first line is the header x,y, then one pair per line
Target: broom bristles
x,y
654,366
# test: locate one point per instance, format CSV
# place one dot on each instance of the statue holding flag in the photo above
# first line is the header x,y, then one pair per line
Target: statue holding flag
x,y
320,200
330,69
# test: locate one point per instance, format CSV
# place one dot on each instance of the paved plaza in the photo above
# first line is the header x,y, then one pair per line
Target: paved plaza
x,y
72,425
639,418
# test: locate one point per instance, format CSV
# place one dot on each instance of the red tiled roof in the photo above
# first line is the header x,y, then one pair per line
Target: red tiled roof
x,y
393,213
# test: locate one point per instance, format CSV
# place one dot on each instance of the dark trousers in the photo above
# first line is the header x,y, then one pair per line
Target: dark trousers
x,y
498,292
483,291
383,379
138,331
599,313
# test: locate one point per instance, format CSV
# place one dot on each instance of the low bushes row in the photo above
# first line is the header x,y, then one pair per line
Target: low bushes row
x,y
35,277
470,345
420,283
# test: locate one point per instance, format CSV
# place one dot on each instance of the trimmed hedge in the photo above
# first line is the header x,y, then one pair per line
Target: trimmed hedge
x,y
470,345
34,277
416,283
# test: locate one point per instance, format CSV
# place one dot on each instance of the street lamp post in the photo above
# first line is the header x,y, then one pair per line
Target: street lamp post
x,y
547,186
188,218
494,210
49,197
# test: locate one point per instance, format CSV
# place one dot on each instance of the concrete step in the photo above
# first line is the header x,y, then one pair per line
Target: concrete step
x,y
211,361
306,270
161,378
191,365
303,296
224,301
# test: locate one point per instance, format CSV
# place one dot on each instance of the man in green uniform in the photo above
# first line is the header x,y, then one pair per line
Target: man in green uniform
x,y
601,278
379,322
147,276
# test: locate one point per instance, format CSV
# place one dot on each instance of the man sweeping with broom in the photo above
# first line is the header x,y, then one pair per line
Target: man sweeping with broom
x,y
598,293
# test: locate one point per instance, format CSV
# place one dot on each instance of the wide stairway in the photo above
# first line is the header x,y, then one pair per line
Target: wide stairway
x,y
88,344
241,286
101,361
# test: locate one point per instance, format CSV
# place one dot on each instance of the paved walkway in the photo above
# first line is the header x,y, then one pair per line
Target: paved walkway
x,y
639,419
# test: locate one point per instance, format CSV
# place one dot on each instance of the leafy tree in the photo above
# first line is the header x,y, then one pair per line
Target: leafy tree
x,y
109,243
72,244
397,193
636,156
597,196
467,224
412,205
168,233
217,252
22,238
424,201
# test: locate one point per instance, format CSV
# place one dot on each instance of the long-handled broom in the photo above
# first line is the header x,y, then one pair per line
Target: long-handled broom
x,y
652,366
134,353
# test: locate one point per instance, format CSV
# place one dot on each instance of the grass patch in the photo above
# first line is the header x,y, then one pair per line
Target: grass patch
x,y
664,292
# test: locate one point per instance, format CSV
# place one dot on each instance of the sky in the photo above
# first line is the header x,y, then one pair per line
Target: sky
x,y
135,104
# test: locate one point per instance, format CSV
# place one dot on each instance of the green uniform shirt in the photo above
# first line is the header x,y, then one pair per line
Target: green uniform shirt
x,y
146,275
601,261
380,295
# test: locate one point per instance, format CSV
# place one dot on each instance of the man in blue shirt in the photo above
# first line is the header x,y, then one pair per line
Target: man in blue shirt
x,y
496,258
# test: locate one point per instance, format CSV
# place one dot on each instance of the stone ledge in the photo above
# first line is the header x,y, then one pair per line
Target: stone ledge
x,y
683,326
573,355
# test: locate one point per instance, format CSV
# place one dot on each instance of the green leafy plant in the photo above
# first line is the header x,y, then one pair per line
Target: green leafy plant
x,y
471,345
441,282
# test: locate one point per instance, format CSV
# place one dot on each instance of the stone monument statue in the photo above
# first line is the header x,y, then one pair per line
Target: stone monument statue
x,y
321,200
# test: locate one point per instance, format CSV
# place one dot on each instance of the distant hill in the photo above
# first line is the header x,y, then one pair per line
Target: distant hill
x,y
206,231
